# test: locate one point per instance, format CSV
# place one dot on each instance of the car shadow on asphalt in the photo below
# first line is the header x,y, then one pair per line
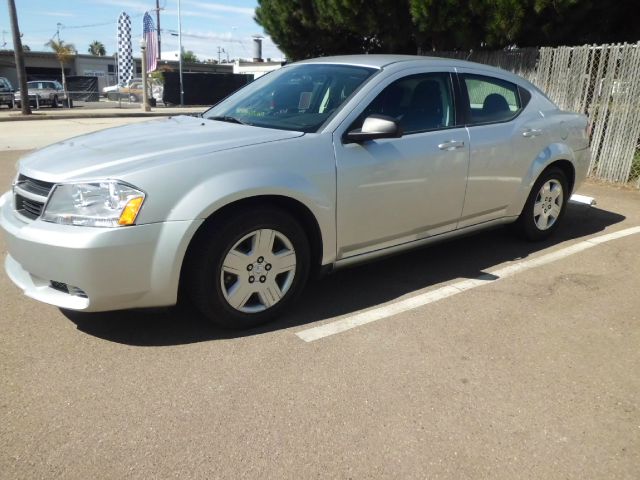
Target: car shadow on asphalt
x,y
349,290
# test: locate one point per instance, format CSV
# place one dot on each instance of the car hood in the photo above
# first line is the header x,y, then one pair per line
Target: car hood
x,y
115,151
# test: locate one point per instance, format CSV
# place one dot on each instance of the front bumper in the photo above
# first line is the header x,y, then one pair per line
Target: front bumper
x,y
117,268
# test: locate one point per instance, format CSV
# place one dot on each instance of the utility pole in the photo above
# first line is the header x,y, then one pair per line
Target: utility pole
x,y
158,23
180,54
19,54
145,94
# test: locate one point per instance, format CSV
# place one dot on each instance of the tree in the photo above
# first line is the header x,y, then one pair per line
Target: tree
x,y
26,48
97,48
448,24
64,53
19,56
189,57
373,26
310,28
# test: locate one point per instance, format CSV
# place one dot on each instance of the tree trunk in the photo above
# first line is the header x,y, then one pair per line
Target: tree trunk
x,y
64,78
19,55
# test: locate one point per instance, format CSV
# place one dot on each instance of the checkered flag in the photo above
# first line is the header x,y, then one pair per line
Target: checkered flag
x,y
125,52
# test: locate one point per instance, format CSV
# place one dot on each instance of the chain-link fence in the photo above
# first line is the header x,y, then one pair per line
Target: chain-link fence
x,y
602,81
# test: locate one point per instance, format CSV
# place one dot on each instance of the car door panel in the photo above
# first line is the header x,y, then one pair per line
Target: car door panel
x,y
393,191
500,154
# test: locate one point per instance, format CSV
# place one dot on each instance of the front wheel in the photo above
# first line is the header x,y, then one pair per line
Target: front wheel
x,y
246,270
54,102
545,206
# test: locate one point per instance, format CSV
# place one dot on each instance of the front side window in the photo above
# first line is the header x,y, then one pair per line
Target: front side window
x,y
418,103
491,100
297,98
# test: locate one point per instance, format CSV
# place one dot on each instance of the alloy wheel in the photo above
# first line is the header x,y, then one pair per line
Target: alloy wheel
x,y
258,270
548,204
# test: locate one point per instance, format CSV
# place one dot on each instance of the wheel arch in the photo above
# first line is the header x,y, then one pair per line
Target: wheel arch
x,y
555,155
298,210
567,168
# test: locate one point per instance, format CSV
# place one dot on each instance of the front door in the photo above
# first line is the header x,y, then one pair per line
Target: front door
x,y
393,191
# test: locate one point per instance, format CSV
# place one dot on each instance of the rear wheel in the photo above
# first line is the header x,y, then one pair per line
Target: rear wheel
x,y
246,270
545,206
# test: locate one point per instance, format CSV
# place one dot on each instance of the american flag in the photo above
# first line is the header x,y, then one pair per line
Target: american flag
x,y
151,37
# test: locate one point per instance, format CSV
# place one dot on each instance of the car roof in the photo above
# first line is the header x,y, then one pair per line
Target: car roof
x,y
384,60
381,61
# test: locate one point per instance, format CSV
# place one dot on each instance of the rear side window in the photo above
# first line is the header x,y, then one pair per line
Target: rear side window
x,y
491,100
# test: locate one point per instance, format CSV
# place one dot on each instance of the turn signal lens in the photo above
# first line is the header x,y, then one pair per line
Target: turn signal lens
x,y
130,211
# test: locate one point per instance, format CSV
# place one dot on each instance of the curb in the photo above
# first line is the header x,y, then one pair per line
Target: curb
x,y
35,116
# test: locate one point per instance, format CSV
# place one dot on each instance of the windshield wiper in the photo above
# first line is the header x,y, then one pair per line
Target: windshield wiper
x,y
227,118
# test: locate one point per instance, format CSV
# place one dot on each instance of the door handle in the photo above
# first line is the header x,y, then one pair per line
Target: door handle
x,y
451,145
531,132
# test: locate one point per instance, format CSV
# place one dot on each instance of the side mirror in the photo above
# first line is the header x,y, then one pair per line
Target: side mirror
x,y
375,126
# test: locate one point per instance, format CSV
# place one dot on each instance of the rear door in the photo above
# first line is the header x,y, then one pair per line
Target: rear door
x,y
503,144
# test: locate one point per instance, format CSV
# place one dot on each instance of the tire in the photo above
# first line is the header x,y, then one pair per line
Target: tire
x,y
247,269
54,102
545,206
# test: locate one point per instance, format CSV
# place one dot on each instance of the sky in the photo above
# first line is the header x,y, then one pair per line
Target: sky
x,y
205,25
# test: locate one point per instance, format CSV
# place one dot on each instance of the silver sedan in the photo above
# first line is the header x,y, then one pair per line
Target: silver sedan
x,y
319,165
44,92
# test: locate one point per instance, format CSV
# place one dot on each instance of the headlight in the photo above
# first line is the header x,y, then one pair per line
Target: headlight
x,y
100,204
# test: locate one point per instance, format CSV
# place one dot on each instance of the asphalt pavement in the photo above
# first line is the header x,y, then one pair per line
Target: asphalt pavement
x,y
533,376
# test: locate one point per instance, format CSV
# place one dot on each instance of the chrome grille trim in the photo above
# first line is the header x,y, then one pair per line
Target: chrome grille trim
x,y
30,196
36,187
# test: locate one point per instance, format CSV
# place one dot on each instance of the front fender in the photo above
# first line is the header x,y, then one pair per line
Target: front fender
x,y
226,188
551,153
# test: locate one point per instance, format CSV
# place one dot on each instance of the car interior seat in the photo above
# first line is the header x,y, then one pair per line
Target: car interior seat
x,y
495,106
425,111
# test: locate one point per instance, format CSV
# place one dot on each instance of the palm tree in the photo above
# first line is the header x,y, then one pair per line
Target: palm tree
x,y
97,48
64,53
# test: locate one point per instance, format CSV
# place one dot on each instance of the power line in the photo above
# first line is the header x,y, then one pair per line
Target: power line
x,y
92,25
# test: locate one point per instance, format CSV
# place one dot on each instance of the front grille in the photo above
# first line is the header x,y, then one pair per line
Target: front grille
x,y
29,208
61,287
32,185
30,196
68,289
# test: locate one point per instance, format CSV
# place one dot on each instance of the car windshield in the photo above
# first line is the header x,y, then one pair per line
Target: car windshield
x,y
299,97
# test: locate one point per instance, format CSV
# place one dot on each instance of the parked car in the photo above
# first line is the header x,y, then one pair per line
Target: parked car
x,y
6,93
319,165
112,90
132,92
44,92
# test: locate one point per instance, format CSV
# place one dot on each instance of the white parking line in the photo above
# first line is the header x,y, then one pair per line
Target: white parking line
x,y
368,316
